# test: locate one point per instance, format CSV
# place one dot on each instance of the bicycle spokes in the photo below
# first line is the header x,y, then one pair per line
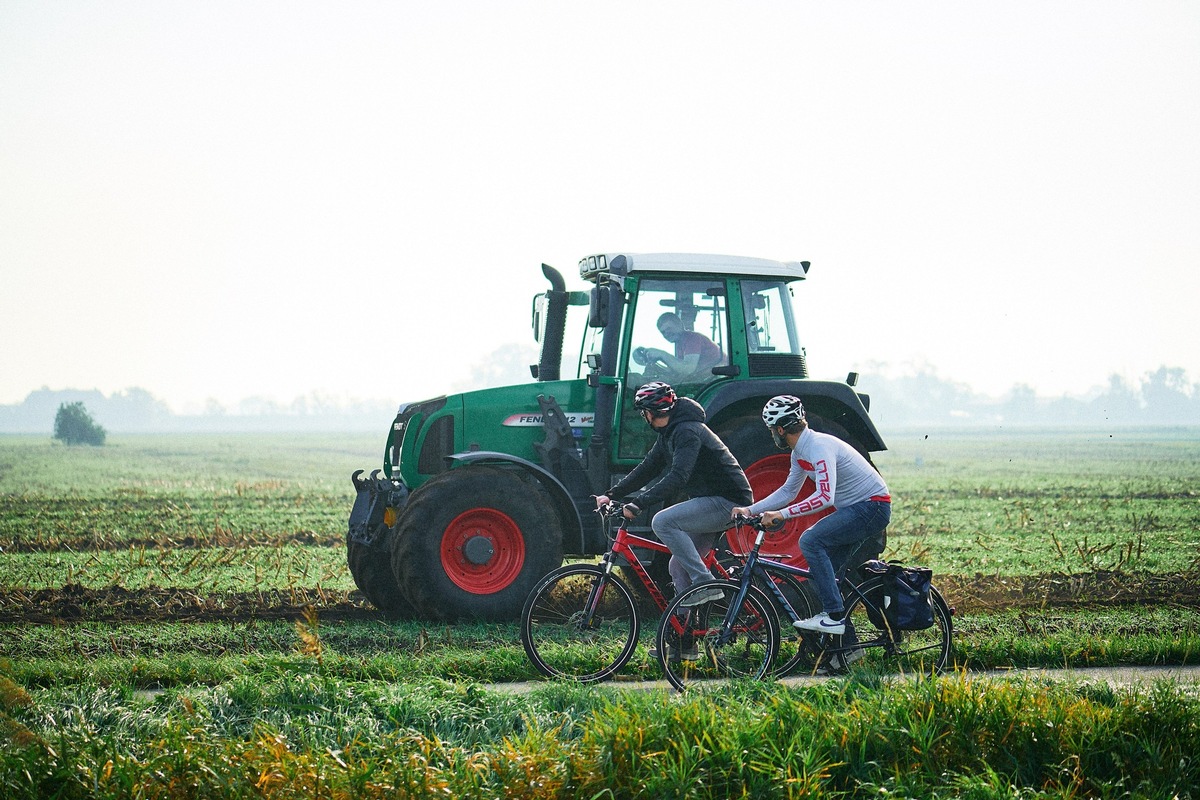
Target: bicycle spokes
x,y
727,639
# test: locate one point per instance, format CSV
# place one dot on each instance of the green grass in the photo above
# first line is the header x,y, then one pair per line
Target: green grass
x,y
316,736
182,488
212,569
197,464
1021,504
1029,502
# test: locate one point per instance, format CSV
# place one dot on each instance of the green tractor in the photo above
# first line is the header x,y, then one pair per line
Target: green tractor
x,y
482,493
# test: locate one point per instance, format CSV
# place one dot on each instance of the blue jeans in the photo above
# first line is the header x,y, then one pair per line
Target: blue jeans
x,y
834,538
689,529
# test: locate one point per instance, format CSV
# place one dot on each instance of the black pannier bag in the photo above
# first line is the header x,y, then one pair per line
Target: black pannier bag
x,y
911,609
905,602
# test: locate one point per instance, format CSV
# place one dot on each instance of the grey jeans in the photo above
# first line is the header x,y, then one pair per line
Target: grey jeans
x,y
689,529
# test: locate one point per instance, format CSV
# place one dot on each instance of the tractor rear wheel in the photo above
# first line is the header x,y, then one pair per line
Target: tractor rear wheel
x,y
473,542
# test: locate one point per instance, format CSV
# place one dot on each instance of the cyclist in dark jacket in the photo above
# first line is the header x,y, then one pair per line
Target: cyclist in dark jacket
x,y
686,458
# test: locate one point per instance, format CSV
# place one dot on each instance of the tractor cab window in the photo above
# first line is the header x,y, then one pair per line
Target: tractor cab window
x,y
592,342
680,331
770,326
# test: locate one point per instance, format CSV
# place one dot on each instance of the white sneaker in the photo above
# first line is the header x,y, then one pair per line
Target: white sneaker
x,y
822,623
702,596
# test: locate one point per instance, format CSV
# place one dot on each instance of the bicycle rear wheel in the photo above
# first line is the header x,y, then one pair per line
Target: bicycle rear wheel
x,y
745,650
579,623
910,652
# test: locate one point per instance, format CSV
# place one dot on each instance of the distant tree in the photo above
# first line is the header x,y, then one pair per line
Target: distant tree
x,y
74,425
1021,406
1169,396
1121,404
259,406
507,365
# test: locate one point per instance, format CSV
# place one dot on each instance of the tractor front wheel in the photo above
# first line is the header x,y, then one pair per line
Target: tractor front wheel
x,y
472,543
369,566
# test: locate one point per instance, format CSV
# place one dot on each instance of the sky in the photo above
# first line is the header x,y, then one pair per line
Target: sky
x,y
217,200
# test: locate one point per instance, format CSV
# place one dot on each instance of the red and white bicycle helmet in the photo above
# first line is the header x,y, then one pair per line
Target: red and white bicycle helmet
x,y
656,397
783,410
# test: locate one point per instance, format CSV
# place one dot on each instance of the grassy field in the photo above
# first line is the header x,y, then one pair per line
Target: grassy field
x,y
270,511
177,620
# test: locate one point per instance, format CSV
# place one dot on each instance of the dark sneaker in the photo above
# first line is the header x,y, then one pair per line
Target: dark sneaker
x,y
690,653
839,662
702,596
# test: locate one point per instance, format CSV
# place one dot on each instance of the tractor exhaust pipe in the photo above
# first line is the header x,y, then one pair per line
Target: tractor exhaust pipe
x,y
550,361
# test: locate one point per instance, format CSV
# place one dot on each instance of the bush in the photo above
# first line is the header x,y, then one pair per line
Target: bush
x,y
74,425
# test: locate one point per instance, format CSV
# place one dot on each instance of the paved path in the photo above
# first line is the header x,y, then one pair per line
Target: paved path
x,y
1125,676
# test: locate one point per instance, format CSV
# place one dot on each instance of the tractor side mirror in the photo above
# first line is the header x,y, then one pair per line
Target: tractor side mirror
x,y
538,316
598,308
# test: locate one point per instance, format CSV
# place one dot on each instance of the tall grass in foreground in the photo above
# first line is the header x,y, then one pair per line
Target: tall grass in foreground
x,y
309,736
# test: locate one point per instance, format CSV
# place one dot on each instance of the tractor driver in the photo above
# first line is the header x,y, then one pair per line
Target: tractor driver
x,y
695,353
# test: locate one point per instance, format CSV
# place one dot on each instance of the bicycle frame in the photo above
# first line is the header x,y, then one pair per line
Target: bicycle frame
x,y
755,564
623,546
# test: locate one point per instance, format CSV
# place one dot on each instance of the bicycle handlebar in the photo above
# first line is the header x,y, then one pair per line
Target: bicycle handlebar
x,y
611,509
755,521
614,509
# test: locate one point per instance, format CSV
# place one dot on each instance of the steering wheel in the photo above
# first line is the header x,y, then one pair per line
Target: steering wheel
x,y
655,368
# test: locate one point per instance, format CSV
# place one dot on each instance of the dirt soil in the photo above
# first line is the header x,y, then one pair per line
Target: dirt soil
x,y
74,603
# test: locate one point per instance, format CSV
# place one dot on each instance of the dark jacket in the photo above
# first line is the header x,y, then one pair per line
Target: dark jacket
x,y
690,459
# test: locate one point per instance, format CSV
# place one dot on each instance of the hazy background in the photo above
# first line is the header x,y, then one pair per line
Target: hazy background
x,y
232,206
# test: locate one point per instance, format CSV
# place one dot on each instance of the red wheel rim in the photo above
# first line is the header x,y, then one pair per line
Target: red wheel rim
x,y
765,476
482,551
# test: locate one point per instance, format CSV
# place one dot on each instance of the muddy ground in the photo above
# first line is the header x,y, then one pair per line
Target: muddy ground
x,y
74,603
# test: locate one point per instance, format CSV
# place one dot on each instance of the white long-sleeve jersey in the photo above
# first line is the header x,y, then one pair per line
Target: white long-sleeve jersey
x,y
841,475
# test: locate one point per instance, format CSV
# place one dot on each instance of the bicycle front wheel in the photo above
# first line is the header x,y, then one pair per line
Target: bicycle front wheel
x,y
795,651
579,623
870,642
717,640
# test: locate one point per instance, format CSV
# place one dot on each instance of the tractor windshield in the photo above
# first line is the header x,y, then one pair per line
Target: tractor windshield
x,y
679,333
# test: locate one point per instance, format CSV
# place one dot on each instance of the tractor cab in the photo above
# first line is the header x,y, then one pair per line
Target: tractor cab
x,y
695,321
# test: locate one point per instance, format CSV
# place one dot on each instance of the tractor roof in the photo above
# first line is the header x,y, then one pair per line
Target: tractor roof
x,y
628,263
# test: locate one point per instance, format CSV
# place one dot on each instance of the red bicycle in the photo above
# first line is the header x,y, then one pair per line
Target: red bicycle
x,y
581,621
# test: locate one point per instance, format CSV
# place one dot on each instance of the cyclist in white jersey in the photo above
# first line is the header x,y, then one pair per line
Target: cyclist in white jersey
x,y
844,481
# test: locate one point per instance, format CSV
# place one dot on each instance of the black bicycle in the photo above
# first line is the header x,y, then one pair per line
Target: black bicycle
x,y
740,634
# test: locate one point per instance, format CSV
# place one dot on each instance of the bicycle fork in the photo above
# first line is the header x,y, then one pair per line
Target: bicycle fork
x,y
595,593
